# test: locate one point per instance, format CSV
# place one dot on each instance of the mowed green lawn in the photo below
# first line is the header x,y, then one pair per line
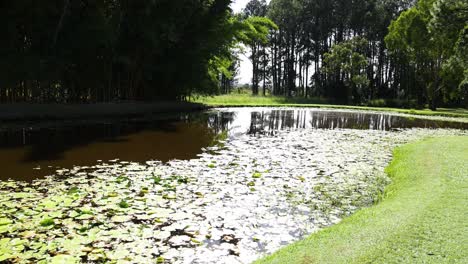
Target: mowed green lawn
x,y
423,217
241,100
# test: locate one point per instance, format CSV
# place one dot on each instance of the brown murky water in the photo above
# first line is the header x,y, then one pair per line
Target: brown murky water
x,y
36,150
31,154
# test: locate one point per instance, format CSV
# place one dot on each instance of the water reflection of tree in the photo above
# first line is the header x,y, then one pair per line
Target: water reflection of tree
x,y
221,121
268,122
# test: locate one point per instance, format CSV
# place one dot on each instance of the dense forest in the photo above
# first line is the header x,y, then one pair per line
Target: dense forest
x,y
409,53
106,50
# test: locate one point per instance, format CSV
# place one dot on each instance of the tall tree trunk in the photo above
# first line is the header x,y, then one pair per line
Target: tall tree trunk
x,y
59,27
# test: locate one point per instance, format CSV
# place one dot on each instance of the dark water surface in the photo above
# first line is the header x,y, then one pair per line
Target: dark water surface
x,y
32,151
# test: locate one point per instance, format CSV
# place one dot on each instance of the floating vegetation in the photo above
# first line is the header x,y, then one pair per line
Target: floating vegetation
x,y
248,199
220,139
257,175
47,222
124,204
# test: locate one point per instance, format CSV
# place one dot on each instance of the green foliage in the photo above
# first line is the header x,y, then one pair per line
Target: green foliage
x,y
73,190
409,34
256,37
428,36
256,29
157,180
124,204
258,8
257,175
47,222
449,23
110,50
347,62
291,64
75,51
219,139
285,13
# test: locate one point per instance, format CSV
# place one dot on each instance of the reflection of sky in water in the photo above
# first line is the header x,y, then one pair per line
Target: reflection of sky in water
x,y
182,137
241,123
266,121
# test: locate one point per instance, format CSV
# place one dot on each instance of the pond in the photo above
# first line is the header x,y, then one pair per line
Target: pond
x,y
32,151
273,177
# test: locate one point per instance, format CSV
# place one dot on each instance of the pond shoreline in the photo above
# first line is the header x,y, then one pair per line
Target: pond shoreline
x,y
391,111
49,112
427,186
56,112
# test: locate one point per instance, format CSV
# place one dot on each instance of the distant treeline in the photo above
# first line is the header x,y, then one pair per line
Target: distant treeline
x,y
361,50
349,51
103,50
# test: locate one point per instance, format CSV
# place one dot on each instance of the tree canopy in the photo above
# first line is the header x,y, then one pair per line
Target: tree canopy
x,y
82,51
409,53
428,37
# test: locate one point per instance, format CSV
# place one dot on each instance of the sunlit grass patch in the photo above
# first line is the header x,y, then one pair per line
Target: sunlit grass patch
x,y
244,100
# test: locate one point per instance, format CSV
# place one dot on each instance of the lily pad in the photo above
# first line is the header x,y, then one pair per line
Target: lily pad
x,y
47,222
5,221
257,175
121,218
64,259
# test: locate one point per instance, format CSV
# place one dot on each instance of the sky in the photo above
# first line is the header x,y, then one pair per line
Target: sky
x,y
237,5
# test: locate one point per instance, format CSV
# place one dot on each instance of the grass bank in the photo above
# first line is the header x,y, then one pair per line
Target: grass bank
x,y
422,218
244,100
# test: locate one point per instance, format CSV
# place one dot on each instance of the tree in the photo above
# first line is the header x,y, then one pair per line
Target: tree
x,y
348,64
285,13
426,35
76,50
87,51
255,13
449,22
309,28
